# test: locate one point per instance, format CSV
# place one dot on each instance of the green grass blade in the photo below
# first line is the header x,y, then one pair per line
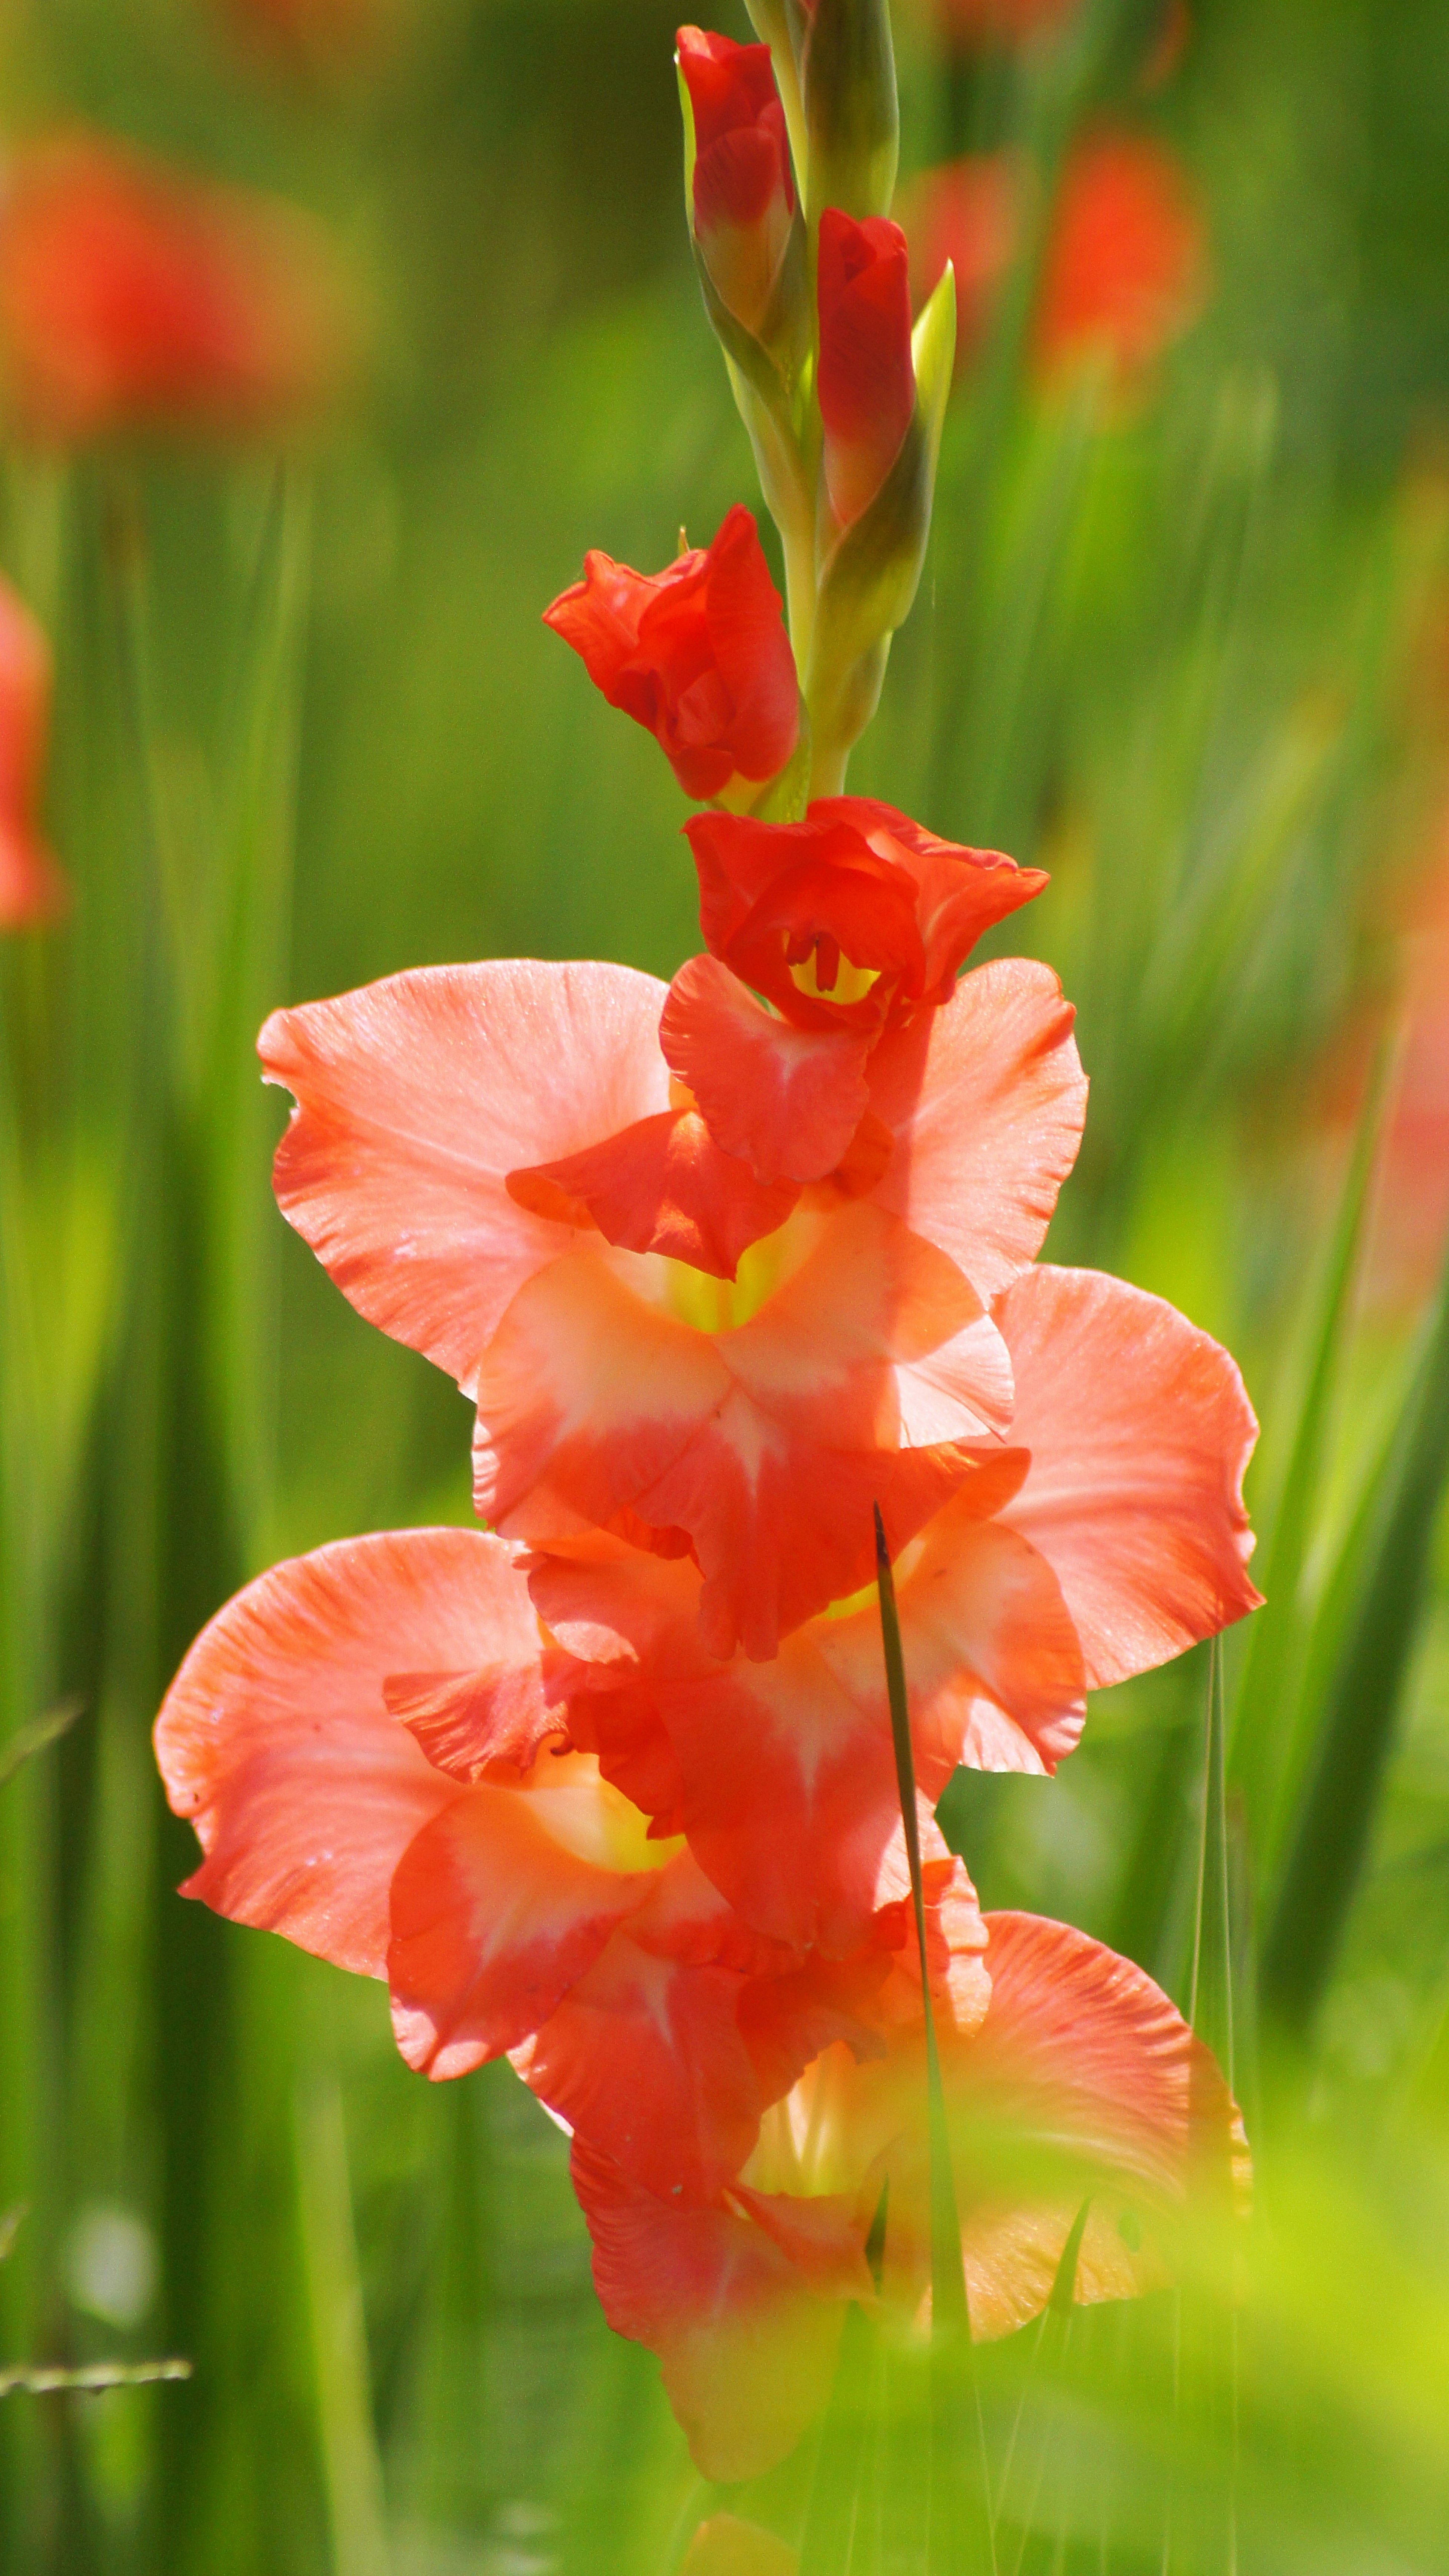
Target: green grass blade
x,y
349,2445
960,2486
1272,1672
42,1731
1335,1820
847,2437
1210,2009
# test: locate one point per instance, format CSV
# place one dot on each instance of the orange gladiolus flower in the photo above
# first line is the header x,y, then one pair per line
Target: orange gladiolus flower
x,y
698,654
1068,2075
130,297
32,889
1124,266
496,1165
366,1743
1106,1536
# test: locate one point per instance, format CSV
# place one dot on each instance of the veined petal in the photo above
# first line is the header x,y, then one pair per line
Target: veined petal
x,y
768,1445
663,1185
417,1096
644,2057
986,1099
1140,1432
747,2348
786,1100
1083,2077
276,1742
494,1918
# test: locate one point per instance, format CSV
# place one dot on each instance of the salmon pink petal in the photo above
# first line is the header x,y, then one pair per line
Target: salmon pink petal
x,y
747,2349
789,1793
488,1725
417,1096
993,1661
1083,2078
492,1921
1140,1433
608,1603
662,1185
645,2056
786,1100
768,1444
986,1100
275,1741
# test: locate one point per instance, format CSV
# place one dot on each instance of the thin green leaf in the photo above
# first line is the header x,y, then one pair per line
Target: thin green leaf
x,y
846,2440
960,2528
33,1739
1211,2008
339,2335
96,2376
11,2222
1336,1817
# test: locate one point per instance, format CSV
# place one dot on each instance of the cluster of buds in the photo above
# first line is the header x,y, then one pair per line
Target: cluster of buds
x,y
790,165
742,1277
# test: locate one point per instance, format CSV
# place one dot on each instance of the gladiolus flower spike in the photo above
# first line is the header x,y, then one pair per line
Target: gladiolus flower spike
x,y
741,1274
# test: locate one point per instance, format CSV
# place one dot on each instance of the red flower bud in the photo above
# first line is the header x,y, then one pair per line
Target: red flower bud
x,y
32,888
867,382
697,653
744,194
128,295
855,918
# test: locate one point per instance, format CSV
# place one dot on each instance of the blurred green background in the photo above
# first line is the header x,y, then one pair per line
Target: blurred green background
x,y
1187,649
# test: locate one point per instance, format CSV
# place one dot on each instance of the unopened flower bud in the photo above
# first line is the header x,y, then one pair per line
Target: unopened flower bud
x,y
866,382
742,193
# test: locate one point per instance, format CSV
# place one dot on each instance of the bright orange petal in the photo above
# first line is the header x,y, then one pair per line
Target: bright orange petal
x,y
417,1096
1140,1433
748,2350
1083,2078
787,1100
986,1099
493,1919
275,1740
768,1445
645,2057
662,1185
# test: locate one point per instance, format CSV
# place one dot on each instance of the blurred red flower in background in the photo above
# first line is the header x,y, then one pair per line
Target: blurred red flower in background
x,y
325,34
1124,266
1017,22
32,888
1003,22
132,297
697,654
